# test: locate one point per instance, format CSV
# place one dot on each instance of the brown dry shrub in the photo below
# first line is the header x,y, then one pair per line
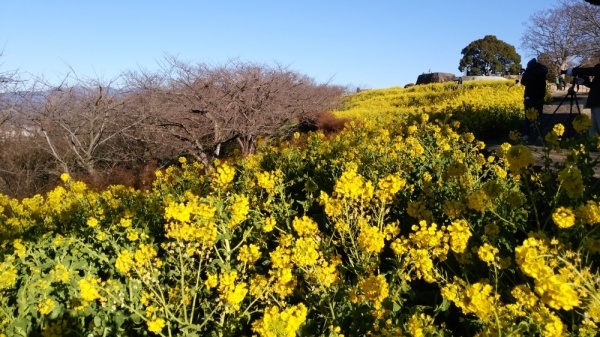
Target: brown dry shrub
x,y
329,124
139,177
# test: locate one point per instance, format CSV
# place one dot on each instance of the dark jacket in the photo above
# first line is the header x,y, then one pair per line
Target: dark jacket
x,y
534,80
593,100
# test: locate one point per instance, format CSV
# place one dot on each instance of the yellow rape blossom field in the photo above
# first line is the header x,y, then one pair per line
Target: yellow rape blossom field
x,y
402,224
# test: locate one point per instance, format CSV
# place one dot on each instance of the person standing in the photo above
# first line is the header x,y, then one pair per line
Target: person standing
x,y
593,101
534,80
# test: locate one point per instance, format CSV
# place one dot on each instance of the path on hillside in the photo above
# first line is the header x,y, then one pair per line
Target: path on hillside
x,y
560,111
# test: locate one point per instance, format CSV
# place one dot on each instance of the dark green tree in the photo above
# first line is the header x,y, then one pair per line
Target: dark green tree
x,y
489,56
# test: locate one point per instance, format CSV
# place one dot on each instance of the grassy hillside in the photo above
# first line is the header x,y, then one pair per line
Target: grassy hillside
x,y
485,108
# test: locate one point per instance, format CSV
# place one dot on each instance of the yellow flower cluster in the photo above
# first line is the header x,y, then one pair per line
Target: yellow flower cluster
x,y
531,114
389,186
45,306
60,273
582,123
352,185
280,323
156,325
269,180
20,249
477,298
284,281
305,252
487,253
249,254
459,235
555,290
431,238
193,220
553,136
519,157
326,273
373,288
239,209
479,200
420,325
232,292
563,217
141,261
8,275
371,239
305,226
423,245
223,176
588,213
571,180
89,289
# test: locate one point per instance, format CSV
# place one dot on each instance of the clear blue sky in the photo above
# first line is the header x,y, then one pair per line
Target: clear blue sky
x,y
371,44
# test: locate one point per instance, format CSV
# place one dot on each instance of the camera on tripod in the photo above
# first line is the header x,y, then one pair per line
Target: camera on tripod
x,y
573,100
575,82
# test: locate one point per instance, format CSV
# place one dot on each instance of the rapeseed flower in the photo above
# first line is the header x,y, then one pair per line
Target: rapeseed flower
x,y
556,292
269,224
249,254
305,252
389,186
239,209
45,306
305,226
88,288
487,253
156,325
280,323
581,123
20,249
212,280
371,239
269,180
375,289
563,217
224,175
519,157
479,200
235,295
92,222
459,235
352,185
571,180
60,273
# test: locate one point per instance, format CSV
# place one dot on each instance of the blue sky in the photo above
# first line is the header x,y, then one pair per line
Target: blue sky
x,y
367,44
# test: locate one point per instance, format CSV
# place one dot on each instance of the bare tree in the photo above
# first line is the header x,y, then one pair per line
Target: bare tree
x,y
9,84
22,164
587,18
205,107
554,34
566,33
85,125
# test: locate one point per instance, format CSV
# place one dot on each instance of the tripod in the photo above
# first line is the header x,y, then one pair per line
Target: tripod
x,y
572,95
